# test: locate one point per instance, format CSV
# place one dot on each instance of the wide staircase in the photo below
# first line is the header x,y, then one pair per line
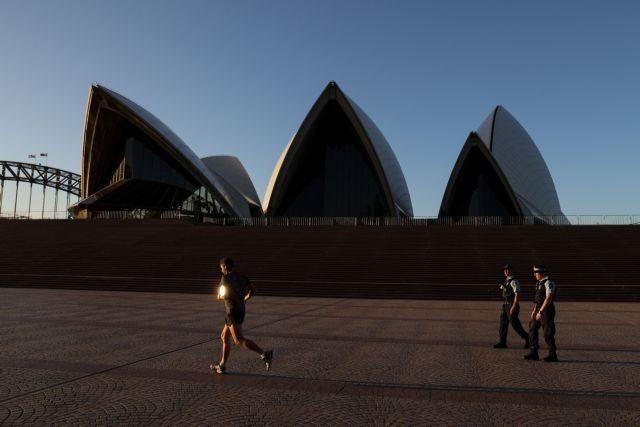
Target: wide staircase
x,y
589,263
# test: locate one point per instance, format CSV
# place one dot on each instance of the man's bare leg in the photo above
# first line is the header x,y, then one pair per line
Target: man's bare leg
x,y
226,344
239,339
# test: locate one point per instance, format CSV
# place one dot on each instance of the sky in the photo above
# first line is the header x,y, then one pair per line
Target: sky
x,y
238,78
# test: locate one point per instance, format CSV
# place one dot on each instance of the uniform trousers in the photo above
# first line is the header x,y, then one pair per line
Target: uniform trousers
x,y
547,322
505,319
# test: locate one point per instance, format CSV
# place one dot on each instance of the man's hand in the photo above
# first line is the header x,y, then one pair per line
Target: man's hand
x,y
544,305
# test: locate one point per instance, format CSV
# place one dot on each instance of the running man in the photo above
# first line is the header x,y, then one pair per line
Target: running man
x,y
235,290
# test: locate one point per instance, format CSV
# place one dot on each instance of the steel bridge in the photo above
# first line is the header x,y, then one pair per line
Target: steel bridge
x,y
45,176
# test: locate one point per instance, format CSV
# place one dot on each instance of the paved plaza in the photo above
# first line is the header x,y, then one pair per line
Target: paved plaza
x,y
115,358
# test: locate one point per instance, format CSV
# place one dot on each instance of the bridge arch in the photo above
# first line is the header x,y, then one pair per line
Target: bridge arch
x,y
44,176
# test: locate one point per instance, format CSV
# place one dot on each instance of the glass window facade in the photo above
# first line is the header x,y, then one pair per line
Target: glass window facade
x,y
478,191
332,174
202,201
146,164
131,171
131,161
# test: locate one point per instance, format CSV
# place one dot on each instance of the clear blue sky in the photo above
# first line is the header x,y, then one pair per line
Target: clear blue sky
x,y
238,78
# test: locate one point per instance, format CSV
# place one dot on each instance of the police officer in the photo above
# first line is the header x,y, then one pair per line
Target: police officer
x,y
510,309
543,314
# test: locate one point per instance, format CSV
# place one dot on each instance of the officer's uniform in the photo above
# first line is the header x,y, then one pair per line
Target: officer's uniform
x,y
509,289
544,287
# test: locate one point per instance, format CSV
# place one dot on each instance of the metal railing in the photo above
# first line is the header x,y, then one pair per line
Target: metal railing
x,y
35,215
474,221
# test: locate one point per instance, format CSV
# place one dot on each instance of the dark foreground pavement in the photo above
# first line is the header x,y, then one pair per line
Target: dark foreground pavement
x,y
85,358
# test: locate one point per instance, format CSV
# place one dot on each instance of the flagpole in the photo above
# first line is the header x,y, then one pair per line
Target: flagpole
x,y
44,180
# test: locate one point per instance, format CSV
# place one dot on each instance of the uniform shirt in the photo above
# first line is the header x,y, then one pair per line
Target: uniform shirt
x,y
514,283
550,286
510,288
236,286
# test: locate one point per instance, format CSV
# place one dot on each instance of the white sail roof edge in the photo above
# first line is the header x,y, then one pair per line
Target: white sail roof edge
x,y
521,162
215,184
231,170
387,158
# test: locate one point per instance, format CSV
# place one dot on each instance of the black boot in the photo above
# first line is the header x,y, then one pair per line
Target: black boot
x,y
532,356
552,357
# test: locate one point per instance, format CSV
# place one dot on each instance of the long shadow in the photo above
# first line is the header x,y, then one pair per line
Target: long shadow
x,y
606,349
335,385
603,362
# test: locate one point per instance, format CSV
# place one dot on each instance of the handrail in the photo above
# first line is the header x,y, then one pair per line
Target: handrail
x,y
473,221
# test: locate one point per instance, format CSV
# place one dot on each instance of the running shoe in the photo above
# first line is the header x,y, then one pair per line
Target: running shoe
x,y
267,358
217,368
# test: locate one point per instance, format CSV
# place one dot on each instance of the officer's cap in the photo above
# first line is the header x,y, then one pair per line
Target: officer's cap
x,y
539,268
507,267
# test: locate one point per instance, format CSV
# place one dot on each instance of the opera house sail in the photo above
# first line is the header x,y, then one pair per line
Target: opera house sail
x,y
500,172
338,164
132,161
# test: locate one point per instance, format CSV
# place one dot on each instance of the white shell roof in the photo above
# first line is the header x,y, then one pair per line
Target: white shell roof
x,y
387,158
230,169
275,173
213,182
390,164
521,163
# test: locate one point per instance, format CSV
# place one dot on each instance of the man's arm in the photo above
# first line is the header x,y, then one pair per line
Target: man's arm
x,y
250,291
515,285
515,301
544,305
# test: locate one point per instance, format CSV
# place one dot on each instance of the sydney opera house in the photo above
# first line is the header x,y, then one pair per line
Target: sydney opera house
x,y
133,161
500,172
338,164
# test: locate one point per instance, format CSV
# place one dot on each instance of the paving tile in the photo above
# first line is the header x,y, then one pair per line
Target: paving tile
x,y
96,358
